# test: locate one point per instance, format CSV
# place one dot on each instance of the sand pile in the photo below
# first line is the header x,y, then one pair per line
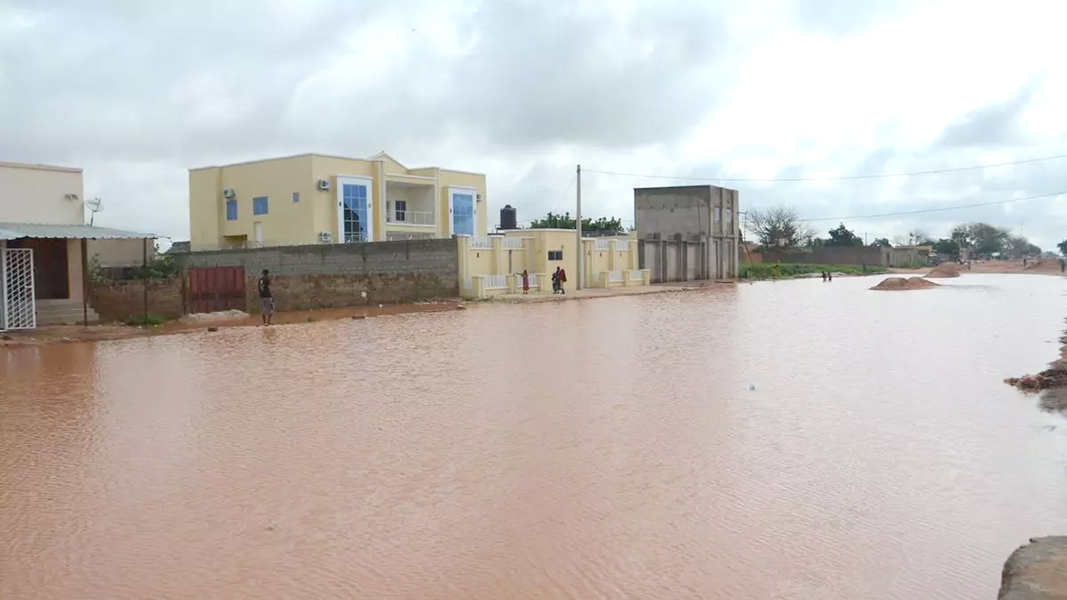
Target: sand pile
x,y
222,315
901,283
944,270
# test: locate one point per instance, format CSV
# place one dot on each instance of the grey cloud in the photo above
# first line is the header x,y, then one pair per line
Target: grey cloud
x,y
995,124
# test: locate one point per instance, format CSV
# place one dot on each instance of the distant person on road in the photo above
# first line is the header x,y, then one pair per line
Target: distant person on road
x,y
774,270
824,276
562,280
1063,265
555,281
525,282
829,276
266,298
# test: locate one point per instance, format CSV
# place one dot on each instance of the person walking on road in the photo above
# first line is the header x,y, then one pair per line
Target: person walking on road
x,y
266,298
562,280
525,282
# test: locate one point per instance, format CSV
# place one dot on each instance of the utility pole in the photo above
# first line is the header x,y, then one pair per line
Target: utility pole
x,y
578,228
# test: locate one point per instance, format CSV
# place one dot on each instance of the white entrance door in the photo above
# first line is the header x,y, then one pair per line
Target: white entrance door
x,y
16,277
355,210
259,234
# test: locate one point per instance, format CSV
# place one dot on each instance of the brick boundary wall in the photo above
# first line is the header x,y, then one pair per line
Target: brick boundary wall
x,y
335,275
122,299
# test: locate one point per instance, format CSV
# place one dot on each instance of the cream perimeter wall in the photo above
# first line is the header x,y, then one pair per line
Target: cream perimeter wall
x,y
527,249
289,222
36,194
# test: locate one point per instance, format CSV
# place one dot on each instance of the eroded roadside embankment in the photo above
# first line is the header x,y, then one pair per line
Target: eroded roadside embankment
x,y
1036,571
1050,383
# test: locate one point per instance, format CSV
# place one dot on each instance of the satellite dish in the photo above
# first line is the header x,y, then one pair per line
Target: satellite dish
x,y
94,205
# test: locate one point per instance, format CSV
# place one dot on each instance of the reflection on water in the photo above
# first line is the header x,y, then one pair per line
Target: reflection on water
x,y
608,448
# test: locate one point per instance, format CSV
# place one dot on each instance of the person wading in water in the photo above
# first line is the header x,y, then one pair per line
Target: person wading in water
x,y
266,298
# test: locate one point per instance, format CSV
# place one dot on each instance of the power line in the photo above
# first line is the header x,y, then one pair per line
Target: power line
x,y
841,178
930,210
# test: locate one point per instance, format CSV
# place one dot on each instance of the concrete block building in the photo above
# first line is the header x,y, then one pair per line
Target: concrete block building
x,y
320,199
688,233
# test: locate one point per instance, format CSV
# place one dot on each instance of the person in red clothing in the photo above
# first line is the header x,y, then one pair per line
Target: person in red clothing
x,y
562,279
525,282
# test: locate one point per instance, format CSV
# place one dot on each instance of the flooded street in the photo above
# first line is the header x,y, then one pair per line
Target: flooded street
x,y
607,448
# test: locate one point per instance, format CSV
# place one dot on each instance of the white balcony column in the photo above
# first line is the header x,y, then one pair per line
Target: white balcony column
x,y
382,203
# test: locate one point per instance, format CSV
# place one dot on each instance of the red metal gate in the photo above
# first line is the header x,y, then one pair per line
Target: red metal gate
x,y
217,288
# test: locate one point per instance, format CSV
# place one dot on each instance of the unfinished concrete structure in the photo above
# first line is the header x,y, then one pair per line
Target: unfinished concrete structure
x,y
688,233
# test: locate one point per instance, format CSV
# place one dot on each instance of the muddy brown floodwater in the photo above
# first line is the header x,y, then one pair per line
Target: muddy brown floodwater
x,y
609,448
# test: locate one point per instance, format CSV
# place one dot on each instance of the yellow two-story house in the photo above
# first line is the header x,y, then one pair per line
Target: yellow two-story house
x,y
317,199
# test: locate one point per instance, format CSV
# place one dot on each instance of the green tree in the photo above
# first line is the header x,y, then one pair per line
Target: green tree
x,y
841,236
982,238
948,247
881,242
566,221
1063,247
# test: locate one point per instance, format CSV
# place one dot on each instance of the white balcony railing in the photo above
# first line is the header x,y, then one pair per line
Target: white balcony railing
x,y
601,245
481,243
622,245
635,275
411,217
531,276
615,276
512,243
496,281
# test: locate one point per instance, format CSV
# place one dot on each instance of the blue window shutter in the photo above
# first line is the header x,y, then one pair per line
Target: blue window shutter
x,y
260,205
296,196
231,210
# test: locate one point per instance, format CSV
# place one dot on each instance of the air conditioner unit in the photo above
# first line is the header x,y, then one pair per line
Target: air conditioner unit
x,y
228,193
324,184
326,237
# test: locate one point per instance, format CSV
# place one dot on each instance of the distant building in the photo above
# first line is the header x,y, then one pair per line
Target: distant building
x,y
315,199
688,233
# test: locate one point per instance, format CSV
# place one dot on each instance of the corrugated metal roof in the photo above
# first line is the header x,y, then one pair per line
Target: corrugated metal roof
x,y
13,231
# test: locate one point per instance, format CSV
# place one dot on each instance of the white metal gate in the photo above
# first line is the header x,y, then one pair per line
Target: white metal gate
x,y
16,274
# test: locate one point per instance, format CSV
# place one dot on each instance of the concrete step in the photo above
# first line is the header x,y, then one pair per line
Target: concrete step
x,y
62,312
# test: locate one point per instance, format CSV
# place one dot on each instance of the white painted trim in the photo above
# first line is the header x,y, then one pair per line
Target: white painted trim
x,y
422,177
452,190
341,180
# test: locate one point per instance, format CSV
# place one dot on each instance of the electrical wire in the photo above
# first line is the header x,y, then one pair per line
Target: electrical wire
x,y
841,178
930,210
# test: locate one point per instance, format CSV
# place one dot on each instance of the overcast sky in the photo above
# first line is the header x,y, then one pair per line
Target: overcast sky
x,y
136,92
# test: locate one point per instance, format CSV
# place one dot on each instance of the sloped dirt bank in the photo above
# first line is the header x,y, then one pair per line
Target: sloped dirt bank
x,y
1036,571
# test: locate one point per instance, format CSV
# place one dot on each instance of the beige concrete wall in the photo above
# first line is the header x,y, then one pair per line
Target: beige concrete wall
x,y
120,253
286,222
74,270
36,194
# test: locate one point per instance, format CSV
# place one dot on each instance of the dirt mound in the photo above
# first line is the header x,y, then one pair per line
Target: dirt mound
x,y
1055,377
901,283
944,270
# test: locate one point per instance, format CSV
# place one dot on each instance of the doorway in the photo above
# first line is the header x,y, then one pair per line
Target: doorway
x,y
51,280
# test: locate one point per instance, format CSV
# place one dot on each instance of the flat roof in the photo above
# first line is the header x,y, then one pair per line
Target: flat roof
x,y
14,231
39,167
377,157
